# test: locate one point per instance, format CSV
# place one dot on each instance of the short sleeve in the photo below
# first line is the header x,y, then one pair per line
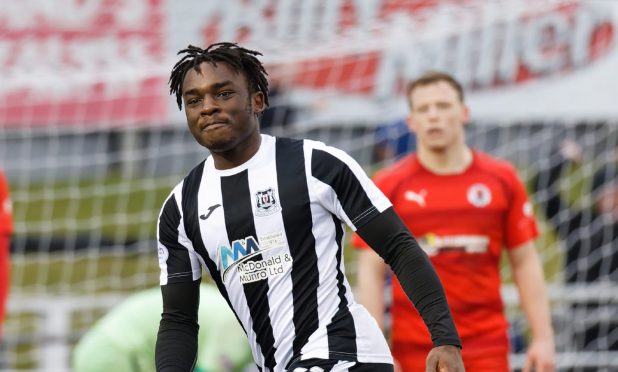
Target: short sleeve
x,y
520,225
177,258
350,193
381,180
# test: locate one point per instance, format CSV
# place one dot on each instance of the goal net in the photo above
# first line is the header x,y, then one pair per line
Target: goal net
x,y
92,143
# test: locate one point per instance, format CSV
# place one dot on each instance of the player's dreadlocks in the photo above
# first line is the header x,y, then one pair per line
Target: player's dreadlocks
x,y
239,58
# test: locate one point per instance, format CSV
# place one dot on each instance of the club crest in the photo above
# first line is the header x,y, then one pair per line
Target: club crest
x,y
479,195
266,204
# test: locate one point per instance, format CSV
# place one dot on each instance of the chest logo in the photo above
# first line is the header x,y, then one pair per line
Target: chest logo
x,y
210,210
479,195
265,203
417,197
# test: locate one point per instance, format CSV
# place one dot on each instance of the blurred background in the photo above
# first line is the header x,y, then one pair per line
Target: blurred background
x,y
92,143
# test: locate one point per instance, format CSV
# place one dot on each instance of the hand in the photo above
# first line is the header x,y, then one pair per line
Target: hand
x,y
446,358
540,357
397,366
571,150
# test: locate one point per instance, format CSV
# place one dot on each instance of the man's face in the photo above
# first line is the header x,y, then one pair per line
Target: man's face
x,y
607,200
221,113
437,116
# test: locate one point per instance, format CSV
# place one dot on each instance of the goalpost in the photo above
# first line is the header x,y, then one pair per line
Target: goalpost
x,y
92,143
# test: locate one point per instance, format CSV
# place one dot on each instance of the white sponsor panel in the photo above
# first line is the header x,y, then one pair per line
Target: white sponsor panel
x,y
253,271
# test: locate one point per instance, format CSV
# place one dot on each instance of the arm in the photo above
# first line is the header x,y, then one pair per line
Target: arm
x,y
390,238
371,283
528,275
176,347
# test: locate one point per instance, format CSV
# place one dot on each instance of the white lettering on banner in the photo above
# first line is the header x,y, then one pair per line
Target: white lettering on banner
x,y
79,34
484,45
74,15
527,47
104,51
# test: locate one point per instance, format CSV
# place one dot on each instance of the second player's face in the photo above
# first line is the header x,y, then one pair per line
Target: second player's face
x,y
221,112
437,116
607,201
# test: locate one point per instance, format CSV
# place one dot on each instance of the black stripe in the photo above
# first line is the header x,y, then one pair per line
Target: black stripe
x,y
240,225
190,189
334,172
371,367
178,262
341,331
296,213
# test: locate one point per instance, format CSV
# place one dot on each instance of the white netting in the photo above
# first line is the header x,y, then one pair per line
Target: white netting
x,y
92,144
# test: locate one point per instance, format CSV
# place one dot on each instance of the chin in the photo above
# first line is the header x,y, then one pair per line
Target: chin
x,y
437,147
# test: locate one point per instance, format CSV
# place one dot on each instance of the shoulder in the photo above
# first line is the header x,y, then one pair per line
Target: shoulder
x,y
195,174
191,180
499,167
323,155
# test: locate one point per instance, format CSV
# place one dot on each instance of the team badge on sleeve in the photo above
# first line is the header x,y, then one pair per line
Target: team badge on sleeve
x,y
163,254
266,203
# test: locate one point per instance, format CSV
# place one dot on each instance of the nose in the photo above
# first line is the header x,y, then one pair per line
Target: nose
x,y
432,113
209,107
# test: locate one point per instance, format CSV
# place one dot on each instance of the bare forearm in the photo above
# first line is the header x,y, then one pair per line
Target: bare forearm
x,y
370,288
528,275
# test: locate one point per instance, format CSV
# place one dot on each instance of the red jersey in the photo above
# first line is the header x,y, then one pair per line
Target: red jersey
x,y
6,228
6,222
462,221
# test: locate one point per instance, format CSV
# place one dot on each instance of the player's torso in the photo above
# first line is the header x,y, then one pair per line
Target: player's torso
x,y
460,213
242,226
459,220
277,251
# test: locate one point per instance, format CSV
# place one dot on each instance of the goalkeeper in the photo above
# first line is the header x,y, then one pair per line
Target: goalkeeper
x,y
124,339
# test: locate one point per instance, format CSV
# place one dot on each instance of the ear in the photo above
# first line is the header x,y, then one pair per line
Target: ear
x,y
257,102
466,114
411,123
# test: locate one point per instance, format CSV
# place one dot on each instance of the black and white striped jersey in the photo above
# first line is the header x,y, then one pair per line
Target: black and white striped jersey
x,y
270,233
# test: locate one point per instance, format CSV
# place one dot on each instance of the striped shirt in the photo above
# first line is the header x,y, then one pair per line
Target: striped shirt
x,y
270,233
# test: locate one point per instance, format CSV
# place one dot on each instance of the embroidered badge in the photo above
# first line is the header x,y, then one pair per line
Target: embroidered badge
x,y
266,203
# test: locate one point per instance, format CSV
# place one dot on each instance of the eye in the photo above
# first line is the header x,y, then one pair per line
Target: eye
x,y
444,105
192,101
225,94
422,109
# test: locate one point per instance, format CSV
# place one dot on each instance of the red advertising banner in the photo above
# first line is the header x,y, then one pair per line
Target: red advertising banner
x,y
80,62
105,63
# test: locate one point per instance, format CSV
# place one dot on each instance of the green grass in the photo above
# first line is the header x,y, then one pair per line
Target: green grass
x,y
110,205
118,209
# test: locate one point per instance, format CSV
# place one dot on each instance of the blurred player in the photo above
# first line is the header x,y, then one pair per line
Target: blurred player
x,y
6,229
124,339
590,237
265,217
465,206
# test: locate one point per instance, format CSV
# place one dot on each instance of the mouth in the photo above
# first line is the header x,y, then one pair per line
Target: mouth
x,y
212,125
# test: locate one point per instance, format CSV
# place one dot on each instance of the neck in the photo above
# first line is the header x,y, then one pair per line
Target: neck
x,y
239,154
451,160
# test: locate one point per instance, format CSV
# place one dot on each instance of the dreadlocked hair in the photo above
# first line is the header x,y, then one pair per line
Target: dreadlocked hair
x,y
239,58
